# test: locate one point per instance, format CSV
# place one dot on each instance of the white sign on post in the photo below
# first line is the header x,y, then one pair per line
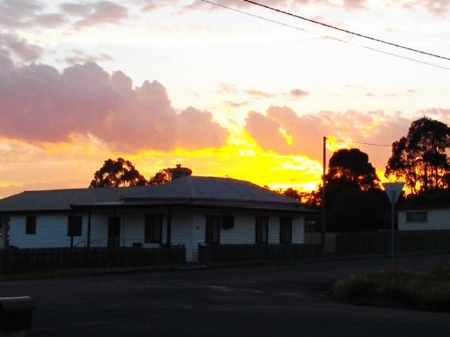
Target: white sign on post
x,y
393,191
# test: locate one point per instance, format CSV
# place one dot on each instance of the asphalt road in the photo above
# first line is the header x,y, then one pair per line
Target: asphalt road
x,y
274,300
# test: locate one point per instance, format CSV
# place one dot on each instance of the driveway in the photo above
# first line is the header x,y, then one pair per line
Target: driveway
x,y
272,300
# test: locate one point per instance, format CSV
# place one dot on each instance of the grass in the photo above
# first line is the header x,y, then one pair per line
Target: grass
x,y
398,288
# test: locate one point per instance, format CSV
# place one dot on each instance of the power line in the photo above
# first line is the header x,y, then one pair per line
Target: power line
x,y
346,31
325,36
352,142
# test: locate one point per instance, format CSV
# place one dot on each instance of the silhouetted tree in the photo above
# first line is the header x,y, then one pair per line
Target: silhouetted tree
x,y
352,167
116,173
168,174
291,193
354,199
356,210
161,177
421,157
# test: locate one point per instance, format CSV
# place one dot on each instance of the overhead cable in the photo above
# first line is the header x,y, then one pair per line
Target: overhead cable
x,y
345,31
325,36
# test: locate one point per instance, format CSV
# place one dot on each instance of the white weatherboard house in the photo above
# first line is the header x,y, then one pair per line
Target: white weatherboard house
x,y
187,211
424,218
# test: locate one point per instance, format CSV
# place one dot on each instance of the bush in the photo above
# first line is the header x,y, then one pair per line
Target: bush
x,y
395,287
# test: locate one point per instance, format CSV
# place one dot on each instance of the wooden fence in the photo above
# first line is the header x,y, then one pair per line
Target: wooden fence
x,y
405,243
221,253
34,259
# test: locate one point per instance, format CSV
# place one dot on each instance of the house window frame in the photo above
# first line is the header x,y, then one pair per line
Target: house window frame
x,y
417,216
74,225
286,230
30,225
212,229
153,228
261,229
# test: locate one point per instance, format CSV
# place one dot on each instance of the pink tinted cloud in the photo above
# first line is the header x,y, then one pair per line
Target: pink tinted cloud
x,y
297,93
95,13
80,57
152,5
307,131
40,104
11,44
436,7
19,13
258,94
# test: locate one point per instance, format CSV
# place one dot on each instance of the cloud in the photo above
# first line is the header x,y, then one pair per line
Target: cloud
x,y
19,13
299,93
152,5
258,94
95,13
436,7
228,89
11,44
235,104
283,131
81,57
42,105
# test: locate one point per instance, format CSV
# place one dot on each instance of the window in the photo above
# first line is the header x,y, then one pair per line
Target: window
x,y
212,235
30,225
285,230
74,226
113,232
416,216
153,228
262,230
227,221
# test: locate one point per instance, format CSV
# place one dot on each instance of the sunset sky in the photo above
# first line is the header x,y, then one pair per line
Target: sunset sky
x,y
242,92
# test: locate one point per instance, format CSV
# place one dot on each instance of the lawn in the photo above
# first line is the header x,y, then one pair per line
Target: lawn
x,y
397,288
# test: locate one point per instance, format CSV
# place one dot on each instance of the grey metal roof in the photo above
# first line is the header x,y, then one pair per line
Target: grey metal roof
x,y
190,190
60,200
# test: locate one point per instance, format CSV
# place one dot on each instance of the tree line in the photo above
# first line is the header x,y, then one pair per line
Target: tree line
x,y
122,173
355,200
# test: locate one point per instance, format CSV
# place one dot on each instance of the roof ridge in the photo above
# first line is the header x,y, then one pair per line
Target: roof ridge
x,y
191,186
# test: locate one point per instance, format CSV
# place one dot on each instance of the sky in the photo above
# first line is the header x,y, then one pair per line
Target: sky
x,y
224,87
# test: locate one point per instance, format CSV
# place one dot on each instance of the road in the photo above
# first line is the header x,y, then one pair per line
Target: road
x,y
270,300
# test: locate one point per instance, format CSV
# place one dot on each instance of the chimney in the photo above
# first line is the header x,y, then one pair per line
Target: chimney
x,y
179,172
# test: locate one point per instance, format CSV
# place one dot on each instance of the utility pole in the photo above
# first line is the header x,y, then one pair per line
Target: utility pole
x,y
322,232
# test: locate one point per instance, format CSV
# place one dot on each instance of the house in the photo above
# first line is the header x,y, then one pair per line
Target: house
x,y
425,217
188,211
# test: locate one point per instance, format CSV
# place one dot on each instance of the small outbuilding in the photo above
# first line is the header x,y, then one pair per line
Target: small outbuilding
x,y
427,217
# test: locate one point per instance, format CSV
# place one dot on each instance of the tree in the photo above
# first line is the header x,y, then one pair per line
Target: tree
x,y
352,168
356,210
161,177
168,174
420,158
116,173
354,199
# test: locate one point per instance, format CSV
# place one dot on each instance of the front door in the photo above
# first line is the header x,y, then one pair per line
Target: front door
x,y
113,232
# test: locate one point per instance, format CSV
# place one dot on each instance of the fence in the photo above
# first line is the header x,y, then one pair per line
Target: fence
x,y
221,253
405,243
35,259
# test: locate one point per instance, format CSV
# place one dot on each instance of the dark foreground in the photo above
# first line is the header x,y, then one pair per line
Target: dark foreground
x,y
278,300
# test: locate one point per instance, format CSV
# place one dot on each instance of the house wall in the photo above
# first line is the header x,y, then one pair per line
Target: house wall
x,y
188,228
51,231
436,219
243,231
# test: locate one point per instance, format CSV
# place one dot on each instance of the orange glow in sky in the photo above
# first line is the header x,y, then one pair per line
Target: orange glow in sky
x,y
226,94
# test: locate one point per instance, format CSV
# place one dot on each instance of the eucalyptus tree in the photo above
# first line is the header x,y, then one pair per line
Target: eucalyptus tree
x,y
421,157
